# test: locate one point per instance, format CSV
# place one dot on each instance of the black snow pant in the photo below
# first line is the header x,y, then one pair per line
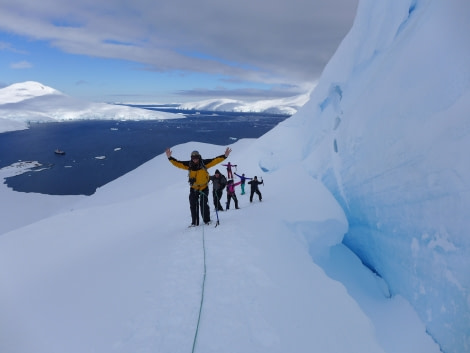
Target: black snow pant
x,y
198,200
217,196
234,197
253,191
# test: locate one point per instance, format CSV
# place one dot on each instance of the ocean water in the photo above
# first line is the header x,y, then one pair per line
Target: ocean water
x,y
97,152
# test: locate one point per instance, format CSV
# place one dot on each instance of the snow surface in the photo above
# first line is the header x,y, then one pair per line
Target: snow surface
x,y
119,271
387,132
374,163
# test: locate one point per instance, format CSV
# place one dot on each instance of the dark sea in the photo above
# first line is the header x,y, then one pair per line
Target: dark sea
x,y
99,151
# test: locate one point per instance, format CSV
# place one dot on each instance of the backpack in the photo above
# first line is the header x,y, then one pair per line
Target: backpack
x,y
230,188
223,181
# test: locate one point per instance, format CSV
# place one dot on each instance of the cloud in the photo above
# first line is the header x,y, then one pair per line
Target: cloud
x,y
240,93
4,46
21,65
270,42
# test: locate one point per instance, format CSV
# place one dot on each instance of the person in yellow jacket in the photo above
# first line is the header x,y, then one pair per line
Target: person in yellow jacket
x,y
198,178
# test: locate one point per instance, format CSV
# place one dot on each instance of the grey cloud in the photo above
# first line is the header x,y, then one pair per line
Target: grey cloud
x,y
275,41
245,94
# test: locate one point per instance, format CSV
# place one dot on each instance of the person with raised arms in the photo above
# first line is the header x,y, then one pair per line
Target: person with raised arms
x,y
198,178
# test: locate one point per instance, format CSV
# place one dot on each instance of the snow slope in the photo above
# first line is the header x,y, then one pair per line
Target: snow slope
x,y
387,131
119,272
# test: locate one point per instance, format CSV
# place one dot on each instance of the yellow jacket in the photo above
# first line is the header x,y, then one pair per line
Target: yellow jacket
x,y
197,173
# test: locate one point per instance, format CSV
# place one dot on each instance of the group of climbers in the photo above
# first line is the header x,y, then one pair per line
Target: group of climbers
x,y
198,178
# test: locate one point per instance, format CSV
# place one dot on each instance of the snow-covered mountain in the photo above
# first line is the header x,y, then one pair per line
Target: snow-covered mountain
x,y
288,106
28,101
19,92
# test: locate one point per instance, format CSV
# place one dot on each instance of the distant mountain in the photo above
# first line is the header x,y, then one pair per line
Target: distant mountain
x,y
22,91
288,105
29,101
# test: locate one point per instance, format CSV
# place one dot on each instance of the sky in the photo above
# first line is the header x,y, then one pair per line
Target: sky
x,y
359,245
171,51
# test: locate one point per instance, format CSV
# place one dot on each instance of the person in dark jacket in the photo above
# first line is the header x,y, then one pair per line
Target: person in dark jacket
x,y
231,193
218,184
254,188
243,179
198,178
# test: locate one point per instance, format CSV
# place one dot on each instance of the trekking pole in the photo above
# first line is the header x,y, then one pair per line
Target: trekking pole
x,y
217,211
217,215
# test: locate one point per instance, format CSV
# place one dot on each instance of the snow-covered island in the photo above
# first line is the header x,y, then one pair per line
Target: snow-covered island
x,y
360,244
25,102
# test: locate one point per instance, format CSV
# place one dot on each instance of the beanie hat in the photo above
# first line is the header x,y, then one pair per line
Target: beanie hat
x,y
217,171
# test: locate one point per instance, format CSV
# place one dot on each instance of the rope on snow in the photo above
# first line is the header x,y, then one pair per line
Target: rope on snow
x,y
203,286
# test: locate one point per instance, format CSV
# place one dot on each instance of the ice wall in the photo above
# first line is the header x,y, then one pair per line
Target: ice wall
x,y
388,132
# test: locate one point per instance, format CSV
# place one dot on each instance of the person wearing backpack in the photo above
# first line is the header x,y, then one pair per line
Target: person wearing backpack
x,y
231,193
198,178
218,185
